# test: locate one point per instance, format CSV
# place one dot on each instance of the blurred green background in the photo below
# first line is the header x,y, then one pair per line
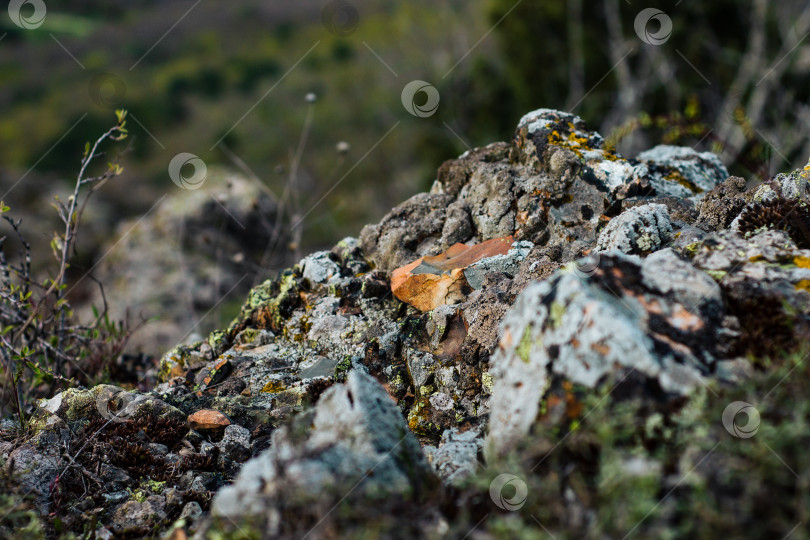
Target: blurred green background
x,y
733,76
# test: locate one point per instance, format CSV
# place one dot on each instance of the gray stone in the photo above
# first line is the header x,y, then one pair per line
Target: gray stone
x,y
133,514
235,434
507,264
672,276
685,173
320,268
323,367
354,425
191,511
641,229
421,366
587,327
456,458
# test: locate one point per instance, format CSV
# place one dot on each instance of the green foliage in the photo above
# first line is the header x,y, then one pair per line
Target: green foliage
x,y
43,345
590,58
19,518
643,467
191,90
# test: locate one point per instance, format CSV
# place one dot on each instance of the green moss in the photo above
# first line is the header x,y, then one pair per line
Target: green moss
x,y
218,341
692,249
334,290
716,275
525,345
140,495
342,369
153,486
556,314
487,381
249,335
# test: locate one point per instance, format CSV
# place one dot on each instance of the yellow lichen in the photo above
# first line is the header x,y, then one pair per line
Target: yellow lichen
x,y
274,387
802,262
803,285
675,176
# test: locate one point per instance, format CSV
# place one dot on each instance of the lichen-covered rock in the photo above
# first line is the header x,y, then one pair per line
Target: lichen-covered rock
x,y
320,268
456,458
173,266
139,516
766,282
721,205
39,460
556,185
108,402
639,230
355,426
507,263
624,315
408,232
681,171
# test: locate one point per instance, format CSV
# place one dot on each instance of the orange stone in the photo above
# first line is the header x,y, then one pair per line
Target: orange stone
x,y
178,534
208,420
429,282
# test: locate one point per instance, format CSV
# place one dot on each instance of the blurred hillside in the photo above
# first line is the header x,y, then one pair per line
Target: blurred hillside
x,y
304,97
256,61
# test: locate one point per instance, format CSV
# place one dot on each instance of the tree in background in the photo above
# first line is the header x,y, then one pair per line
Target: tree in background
x,y
745,65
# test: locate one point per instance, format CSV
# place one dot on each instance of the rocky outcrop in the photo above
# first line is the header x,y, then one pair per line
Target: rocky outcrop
x,y
173,266
359,445
556,184
348,396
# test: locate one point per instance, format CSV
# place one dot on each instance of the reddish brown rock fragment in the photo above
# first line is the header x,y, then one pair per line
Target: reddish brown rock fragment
x,y
429,282
208,420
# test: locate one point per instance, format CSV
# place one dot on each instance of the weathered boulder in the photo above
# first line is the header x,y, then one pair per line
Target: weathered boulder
x,y
358,446
175,264
658,316
638,230
556,184
681,171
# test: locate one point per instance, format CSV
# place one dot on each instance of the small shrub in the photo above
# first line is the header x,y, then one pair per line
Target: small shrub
x,y
42,343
